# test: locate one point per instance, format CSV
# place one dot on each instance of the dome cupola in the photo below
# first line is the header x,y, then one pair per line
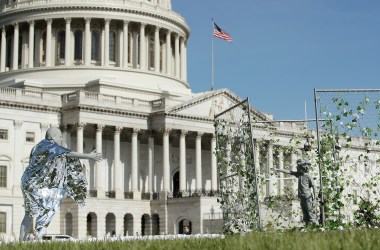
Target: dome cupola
x,y
66,45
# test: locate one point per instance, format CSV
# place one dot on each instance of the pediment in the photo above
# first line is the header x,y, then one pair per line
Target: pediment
x,y
209,104
5,158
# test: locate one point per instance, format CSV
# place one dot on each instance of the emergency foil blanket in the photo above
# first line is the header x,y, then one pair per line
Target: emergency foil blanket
x,y
49,177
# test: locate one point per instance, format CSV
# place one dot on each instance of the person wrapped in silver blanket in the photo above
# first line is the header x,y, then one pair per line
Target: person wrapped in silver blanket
x,y
53,173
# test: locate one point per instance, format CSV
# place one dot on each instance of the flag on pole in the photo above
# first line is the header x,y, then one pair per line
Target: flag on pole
x,y
219,33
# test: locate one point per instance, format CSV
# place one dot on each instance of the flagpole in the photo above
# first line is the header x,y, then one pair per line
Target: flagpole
x,y
212,54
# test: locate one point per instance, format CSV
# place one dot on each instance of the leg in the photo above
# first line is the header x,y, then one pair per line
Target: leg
x,y
305,213
311,211
42,221
25,226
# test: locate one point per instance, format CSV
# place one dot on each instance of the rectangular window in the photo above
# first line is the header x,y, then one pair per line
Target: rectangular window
x,y
30,137
3,176
3,222
3,134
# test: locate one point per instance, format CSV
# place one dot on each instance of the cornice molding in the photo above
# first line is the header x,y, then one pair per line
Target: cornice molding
x,y
172,17
27,106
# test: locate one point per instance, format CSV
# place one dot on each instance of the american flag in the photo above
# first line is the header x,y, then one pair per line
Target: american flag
x,y
219,33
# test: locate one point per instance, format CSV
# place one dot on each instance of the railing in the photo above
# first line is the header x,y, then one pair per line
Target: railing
x,y
93,193
109,101
128,195
29,96
193,193
6,5
111,194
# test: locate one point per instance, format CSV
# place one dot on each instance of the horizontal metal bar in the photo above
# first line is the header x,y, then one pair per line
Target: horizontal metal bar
x,y
347,90
309,120
236,105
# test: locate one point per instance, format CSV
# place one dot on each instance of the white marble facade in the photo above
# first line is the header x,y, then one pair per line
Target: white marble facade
x,y
108,74
113,76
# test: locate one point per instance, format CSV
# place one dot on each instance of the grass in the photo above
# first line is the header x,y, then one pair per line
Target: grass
x,y
348,239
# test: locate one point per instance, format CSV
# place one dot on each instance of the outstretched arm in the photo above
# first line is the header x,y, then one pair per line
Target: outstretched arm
x,y
285,171
93,155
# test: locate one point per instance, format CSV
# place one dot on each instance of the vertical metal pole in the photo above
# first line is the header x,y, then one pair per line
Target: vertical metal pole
x,y
254,166
322,206
212,55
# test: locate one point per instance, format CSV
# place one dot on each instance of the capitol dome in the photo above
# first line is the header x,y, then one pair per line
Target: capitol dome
x,y
62,46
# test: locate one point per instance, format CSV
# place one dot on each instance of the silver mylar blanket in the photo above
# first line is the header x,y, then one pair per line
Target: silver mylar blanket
x,y
49,177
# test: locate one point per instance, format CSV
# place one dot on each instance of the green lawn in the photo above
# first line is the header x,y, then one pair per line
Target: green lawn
x,y
349,239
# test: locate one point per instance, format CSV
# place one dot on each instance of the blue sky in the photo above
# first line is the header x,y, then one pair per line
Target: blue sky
x,y
283,49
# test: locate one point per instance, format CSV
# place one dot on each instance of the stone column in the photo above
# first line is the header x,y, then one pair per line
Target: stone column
x,y
293,159
183,59
80,128
82,222
87,35
157,49
17,159
48,42
3,49
177,61
150,162
135,164
182,163
281,175
214,171
270,186
100,173
125,44
119,227
142,47
15,46
118,173
106,41
67,42
168,53
257,167
166,163
198,156
101,224
31,45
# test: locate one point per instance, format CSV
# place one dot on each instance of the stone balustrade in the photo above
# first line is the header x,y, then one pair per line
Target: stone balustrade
x,y
110,101
30,97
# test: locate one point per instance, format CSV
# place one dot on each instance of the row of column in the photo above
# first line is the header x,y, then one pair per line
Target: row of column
x,y
272,181
180,54
99,182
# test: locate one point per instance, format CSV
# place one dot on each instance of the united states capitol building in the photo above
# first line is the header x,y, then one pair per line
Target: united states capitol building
x,y
113,76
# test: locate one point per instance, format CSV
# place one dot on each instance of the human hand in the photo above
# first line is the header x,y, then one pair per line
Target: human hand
x,y
95,156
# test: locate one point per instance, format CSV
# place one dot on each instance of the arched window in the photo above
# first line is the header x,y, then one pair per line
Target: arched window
x,y
184,227
61,44
112,48
95,45
78,45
